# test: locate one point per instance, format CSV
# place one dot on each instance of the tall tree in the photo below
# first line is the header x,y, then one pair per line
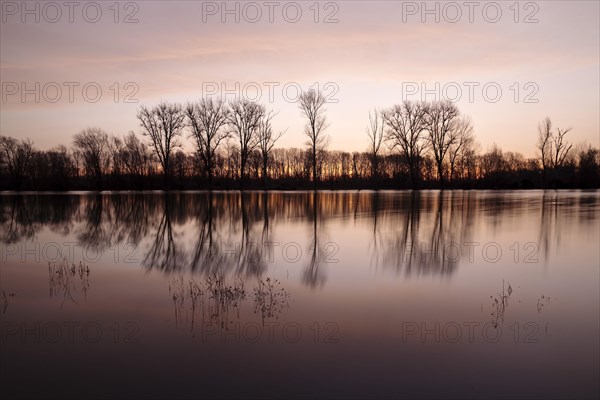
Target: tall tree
x,y
16,155
136,158
561,147
207,119
266,141
244,121
163,124
442,127
312,104
405,130
544,146
92,144
589,166
462,146
116,148
375,132
60,167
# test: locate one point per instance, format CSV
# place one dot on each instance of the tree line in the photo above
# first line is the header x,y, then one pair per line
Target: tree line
x,y
409,145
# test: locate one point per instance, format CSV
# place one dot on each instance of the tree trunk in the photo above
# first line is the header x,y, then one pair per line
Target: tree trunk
x,y
209,171
314,164
264,171
242,169
166,175
413,174
440,168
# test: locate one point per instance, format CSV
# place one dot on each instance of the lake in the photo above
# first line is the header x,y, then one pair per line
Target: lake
x,y
394,294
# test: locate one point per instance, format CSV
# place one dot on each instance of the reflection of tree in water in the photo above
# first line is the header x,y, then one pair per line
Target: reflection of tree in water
x,y
224,233
164,252
249,258
232,234
109,220
313,276
377,241
134,212
206,254
21,216
95,231
447,230
426,232
66,280
218,302
214,252
552,215
15,220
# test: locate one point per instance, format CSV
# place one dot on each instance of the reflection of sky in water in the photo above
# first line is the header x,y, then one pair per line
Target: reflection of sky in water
x,y
386,264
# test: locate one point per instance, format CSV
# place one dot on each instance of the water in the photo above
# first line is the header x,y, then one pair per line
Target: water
x,y
301,294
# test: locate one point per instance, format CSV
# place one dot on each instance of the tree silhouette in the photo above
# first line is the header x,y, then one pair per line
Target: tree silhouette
x,y
312,105
406,124
375,132
244,121
207,119
93,146
163,124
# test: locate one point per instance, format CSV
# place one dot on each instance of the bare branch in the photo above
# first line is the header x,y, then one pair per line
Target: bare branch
x,y
312,105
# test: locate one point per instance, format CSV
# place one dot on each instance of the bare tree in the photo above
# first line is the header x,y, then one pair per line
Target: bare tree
x,y
405,126
463,144
266,141
441,124
207,119
94,148
60,167
493,162
116,148
163,124
244,120
16,155
136,158
561,147
589,165
544,146
375,132
312,104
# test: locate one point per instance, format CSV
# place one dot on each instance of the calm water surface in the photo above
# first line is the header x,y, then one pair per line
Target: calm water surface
x,y
301,294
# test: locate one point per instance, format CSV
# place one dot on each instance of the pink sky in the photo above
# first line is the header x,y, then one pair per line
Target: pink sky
x,y
368,58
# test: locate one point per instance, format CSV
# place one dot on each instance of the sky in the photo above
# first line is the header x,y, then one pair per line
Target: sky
x,y
68,66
